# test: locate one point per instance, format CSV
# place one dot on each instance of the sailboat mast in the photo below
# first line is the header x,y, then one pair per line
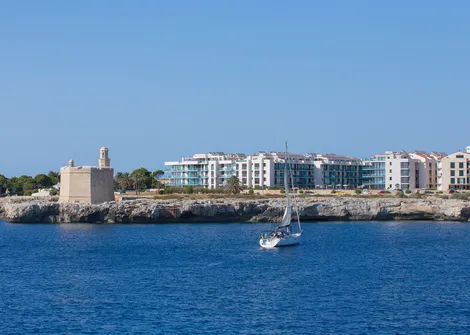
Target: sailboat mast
x,y
286,179
295,198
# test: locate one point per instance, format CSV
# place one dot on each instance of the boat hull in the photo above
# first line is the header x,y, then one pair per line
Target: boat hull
x,y
273,242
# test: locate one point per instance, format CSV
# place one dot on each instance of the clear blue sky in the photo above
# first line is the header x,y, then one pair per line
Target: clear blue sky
x,y
156,80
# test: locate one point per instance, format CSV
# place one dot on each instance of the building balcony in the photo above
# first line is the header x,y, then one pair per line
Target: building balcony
x,y
227,175
187,169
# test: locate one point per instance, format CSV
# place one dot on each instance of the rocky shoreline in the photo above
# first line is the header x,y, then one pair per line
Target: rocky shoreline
x,y
233,210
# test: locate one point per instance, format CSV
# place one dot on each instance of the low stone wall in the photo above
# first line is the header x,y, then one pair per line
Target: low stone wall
x,y
233,210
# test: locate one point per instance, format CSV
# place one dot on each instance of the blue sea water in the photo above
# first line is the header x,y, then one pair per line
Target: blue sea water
x,y
345,278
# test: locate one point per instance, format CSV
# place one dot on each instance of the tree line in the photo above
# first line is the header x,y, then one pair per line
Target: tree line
x,y
27,185
143,179
138,180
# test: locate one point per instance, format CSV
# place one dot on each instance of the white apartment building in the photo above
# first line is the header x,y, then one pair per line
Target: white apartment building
x,y
454,171
426,169
411,170
400,171
373,172
261,170
268,170
206,170
336,171
390,170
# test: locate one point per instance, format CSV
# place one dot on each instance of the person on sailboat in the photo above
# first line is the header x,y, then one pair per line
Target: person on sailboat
x,y
283,234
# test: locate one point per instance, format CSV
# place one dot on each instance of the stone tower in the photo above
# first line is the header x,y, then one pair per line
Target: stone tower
x,y
104,160
88,184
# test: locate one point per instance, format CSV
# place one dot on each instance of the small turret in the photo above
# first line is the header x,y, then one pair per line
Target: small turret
x,y
104,160
71,163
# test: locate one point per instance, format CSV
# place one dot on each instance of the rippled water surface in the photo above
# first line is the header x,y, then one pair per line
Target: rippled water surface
x,y
345,278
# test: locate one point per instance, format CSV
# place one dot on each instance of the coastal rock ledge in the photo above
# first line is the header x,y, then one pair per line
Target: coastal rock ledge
x,y
233,210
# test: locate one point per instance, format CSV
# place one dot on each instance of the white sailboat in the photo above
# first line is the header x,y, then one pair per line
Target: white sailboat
x,y
283,234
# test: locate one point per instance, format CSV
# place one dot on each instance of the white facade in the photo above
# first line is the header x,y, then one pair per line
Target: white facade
x,y
454,171
390,170
261,170
206,170
44,192
411,170
400,171
425,169
268,170
336,171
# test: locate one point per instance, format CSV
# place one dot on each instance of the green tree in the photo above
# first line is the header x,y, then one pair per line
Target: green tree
x,y
3,183
123,181
28,186
21,184
156,175
43,181
142,179
54,176
233,185
14,186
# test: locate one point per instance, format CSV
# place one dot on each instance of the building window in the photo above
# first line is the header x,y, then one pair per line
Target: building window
x,y
452,172
390,178
404,165
452,180
390,171
459,156
461,173
461,165
452,165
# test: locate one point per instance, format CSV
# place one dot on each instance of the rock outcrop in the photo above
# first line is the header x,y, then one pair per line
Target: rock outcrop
x,y
234,210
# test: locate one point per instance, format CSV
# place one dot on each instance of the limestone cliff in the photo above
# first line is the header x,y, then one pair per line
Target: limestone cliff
x,y
234,210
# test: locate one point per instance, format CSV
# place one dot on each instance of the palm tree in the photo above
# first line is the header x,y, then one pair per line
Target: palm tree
x,y
233,185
